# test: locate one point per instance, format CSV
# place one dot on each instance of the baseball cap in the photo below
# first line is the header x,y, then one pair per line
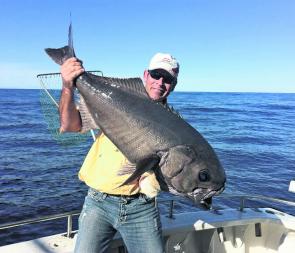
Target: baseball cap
x,y
166,62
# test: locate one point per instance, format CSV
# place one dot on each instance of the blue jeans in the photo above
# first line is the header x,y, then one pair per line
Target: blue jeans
x,y
136,218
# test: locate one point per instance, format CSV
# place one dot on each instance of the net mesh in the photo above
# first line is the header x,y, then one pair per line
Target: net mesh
x,y
49,101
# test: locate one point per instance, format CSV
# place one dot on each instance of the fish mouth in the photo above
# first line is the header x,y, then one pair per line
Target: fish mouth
x,y
160,90
203,197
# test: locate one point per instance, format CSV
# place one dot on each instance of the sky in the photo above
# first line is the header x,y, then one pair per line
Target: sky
x,y
221,45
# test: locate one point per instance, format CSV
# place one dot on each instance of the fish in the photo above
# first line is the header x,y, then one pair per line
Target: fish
x,y
151,135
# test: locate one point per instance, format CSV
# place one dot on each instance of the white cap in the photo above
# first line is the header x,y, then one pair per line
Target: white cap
x,y
166,62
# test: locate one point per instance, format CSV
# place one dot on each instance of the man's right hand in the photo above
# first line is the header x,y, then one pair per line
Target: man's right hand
x,y
70,70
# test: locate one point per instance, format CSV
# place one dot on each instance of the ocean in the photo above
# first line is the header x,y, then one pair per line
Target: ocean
x,y
253,135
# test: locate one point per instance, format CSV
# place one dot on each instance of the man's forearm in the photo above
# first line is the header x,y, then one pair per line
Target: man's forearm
x,y
70,120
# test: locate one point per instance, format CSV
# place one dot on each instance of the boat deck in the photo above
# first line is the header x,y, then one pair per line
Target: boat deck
x,y
178,228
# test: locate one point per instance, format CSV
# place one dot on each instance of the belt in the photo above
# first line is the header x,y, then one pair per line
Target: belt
x,y
137,195
134,196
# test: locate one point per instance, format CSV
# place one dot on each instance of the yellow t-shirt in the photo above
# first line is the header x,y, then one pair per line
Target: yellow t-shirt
x,y
100,171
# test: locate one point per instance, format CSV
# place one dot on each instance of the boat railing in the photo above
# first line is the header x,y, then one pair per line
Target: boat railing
x,y
69,215
243,199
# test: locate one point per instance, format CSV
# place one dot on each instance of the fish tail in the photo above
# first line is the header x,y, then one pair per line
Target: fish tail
x,y
70,41
60,55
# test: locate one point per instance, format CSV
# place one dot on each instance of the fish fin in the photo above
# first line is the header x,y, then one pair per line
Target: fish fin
x,y
130,85
142,166
88,122
128,168
171,109
70,41
60,55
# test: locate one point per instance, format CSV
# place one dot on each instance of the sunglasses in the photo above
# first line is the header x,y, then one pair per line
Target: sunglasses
x,y
167,78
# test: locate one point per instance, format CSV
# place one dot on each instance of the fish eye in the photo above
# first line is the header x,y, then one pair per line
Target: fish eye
x,y
204,176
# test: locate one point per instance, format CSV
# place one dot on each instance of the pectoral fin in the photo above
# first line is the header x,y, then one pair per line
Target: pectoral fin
x,y
142,166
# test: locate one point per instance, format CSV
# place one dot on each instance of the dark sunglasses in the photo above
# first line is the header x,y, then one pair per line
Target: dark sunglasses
x,y
167,78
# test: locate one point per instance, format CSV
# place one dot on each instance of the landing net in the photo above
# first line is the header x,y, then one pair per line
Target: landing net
x,y
51,84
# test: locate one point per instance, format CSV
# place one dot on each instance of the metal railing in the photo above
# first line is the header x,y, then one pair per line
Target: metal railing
x,y
243,199
70,215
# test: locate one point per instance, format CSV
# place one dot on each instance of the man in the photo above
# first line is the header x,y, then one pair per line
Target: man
x,y
109,207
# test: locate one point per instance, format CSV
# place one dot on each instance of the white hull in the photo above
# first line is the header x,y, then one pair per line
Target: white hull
x,y
248,231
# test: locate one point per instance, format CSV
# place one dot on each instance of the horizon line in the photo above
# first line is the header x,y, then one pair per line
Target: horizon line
x,y
183,91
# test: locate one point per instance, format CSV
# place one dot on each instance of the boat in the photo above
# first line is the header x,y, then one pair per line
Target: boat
x,y
241,229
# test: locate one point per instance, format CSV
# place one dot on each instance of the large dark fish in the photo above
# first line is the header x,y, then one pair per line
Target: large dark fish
x,y
149,134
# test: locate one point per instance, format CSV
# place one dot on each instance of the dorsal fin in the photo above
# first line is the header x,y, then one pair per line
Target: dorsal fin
x,y
130,85
171,109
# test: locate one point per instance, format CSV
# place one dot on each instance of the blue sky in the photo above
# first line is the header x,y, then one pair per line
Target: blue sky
x,y
222,45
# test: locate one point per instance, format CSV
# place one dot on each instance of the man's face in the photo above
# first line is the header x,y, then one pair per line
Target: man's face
x,y
158,83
